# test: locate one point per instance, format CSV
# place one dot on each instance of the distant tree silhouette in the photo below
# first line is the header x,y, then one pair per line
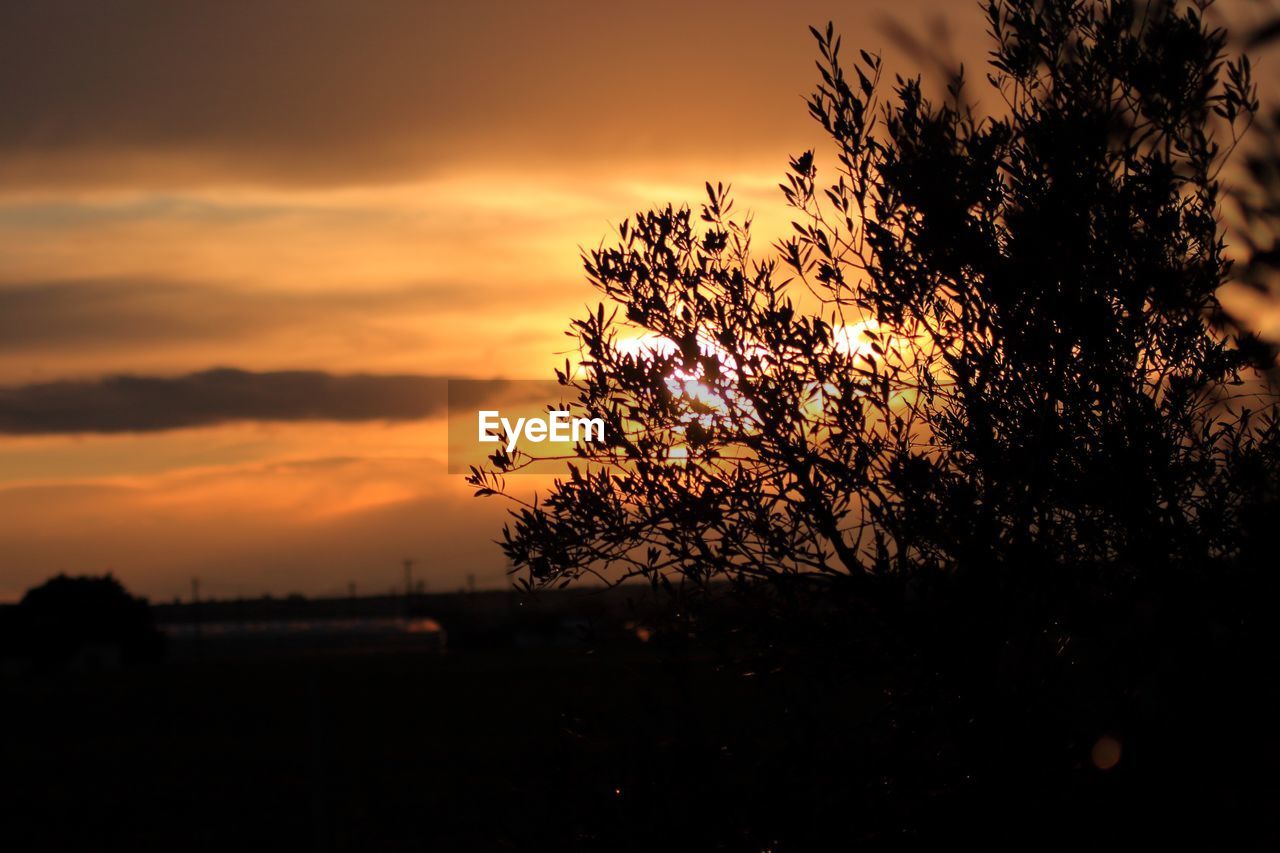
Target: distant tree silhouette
x,y
64,615
992,347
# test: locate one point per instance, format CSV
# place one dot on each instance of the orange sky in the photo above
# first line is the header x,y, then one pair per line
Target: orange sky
x,y
387,188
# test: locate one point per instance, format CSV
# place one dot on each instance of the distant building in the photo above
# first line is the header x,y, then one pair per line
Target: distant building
x,y
301,635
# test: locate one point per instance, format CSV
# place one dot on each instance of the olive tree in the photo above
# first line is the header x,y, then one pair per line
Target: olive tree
x,y
991,347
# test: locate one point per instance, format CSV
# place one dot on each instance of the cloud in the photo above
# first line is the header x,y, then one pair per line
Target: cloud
x,y
91,313
328,91
146,403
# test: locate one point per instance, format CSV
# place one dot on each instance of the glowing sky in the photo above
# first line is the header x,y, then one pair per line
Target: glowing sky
x,y
394,188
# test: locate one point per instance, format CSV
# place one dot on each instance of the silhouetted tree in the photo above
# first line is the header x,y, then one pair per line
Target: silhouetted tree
x,y
991,349
67,614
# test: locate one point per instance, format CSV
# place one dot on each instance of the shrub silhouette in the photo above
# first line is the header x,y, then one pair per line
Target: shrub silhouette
x,y
65,615
992,347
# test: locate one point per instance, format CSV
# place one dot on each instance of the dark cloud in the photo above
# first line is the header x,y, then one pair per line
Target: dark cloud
x,y
144,403
324,91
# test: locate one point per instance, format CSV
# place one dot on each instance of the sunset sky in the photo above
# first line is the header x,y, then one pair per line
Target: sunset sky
x,y
396,188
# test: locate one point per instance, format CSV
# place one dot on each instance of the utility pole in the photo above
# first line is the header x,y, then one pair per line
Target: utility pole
x,y
195,612
408,577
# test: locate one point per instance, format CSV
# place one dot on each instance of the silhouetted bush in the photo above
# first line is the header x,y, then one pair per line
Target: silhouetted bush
x,y
67,617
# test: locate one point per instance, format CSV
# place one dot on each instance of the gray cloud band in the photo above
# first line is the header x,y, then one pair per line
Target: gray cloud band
x,y
117,404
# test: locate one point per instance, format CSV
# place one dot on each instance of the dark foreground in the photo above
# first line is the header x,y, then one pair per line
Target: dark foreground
x,y
377,751
641,747
502,751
